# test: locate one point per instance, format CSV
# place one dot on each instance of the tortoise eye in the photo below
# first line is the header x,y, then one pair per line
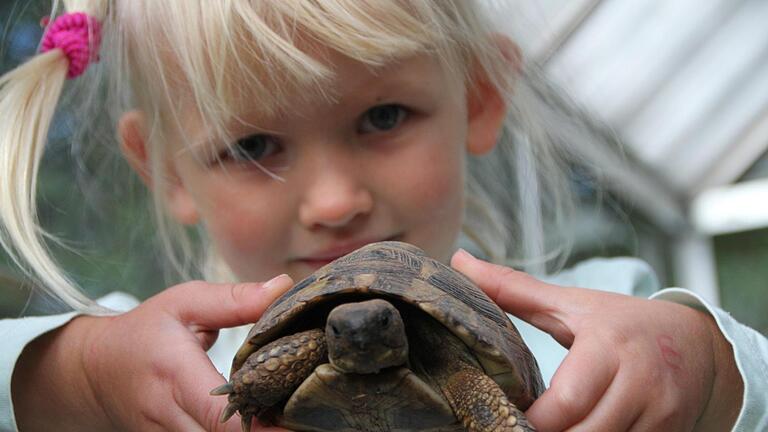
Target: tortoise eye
x,y
385,320
335,331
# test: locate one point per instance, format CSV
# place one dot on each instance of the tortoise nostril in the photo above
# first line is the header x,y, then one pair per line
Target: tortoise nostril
x,y
361,343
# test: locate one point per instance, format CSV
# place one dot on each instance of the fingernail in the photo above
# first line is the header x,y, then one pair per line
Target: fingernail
x,y
276,281
464,254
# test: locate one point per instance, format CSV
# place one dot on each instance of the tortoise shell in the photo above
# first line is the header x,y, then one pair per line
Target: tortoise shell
x,y
402,273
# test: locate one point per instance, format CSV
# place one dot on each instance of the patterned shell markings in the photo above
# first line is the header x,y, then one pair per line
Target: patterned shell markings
x,y
398,270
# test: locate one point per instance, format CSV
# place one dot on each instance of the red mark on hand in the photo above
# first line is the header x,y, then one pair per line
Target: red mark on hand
x,y
672,358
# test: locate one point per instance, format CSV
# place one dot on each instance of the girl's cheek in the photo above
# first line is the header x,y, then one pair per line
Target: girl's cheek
x,y
236,224
438,180
245,224
240,242
439,195
432,197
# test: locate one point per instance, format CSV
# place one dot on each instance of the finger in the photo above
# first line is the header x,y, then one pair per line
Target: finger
x,y
543,305
193,380
181,421
195,377
510,289
215,306
577,386
617,410
639,400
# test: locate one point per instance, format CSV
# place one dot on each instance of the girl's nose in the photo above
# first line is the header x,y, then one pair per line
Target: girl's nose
x,y
333,199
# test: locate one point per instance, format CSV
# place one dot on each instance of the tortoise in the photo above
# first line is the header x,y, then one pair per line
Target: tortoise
x,y
384,338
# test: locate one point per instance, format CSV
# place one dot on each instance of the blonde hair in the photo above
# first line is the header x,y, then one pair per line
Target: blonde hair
x,y
28,98
156,53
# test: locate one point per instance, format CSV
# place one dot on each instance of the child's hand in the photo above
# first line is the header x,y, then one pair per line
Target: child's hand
x,y
633,364
144,370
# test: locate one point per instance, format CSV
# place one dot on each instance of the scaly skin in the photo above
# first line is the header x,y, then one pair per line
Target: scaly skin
x,y
480,405
272,373
476,399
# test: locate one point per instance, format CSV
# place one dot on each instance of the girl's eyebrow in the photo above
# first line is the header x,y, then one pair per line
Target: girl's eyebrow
x,y
380,88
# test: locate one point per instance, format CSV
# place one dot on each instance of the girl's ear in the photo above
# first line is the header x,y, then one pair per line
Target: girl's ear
x,y
486,106
133,144
486,111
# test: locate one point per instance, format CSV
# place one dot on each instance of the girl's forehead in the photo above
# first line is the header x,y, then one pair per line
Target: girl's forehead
x,y
349,78
258,89
272,56
352,86
281,44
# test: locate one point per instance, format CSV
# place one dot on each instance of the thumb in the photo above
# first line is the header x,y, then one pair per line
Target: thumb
x,y
216,306
547,307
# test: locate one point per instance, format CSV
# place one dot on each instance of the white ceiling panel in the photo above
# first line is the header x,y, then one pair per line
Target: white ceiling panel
x,y
684,82
718,133
698,92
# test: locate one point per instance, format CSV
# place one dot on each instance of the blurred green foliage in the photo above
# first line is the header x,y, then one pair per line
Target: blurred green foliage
x,y
742,269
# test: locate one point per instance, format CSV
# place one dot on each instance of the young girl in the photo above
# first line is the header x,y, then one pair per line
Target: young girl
x,y
293,132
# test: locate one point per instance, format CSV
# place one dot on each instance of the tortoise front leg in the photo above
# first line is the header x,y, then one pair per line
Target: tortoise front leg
x,y
271,374
480,404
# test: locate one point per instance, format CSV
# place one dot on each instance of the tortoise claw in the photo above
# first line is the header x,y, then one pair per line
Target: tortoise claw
x,y
228,412
222,390
245,423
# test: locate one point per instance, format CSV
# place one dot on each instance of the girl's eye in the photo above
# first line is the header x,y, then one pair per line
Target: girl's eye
x,y
253,148
383,118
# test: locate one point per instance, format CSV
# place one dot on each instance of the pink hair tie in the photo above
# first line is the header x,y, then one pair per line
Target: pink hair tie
x,y
79,36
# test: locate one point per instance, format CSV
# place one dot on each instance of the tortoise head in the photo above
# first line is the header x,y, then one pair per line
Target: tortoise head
x,y
366,337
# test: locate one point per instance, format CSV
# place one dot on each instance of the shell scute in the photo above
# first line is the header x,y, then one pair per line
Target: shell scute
x,y
403,272
455,286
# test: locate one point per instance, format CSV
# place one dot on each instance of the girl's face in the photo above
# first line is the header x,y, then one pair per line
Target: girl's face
x,y
383,161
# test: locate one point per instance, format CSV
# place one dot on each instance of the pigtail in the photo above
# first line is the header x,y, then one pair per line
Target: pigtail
x,y
29,95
